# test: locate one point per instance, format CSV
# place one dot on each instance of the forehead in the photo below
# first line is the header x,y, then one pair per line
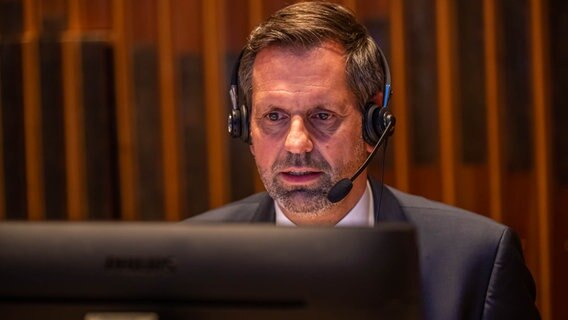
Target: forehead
x,y
281,71
282,58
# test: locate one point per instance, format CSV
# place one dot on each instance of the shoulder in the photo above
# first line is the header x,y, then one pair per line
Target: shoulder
x,y
462,237
238,211
435,216
484,258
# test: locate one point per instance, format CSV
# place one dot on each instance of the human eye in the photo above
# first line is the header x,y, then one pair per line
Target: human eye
x,y
322,116
274,116
324,120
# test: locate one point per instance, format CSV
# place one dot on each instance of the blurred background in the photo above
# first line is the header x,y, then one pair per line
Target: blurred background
x,y
116,110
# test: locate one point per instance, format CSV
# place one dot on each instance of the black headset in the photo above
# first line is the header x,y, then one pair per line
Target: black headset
x,y
375,118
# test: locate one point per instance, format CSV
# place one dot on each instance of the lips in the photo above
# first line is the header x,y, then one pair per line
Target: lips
x,y
300,176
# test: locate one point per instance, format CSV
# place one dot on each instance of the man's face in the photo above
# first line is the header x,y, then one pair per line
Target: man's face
x,y
305,126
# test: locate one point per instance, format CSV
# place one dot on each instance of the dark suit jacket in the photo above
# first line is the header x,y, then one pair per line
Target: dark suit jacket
x,y
472,267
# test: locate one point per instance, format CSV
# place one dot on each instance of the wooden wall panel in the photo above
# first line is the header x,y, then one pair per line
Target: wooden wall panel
x,y
53,121
170,132
472,174
127,166
146,97
53,15
100,136
272,6
95,15
556,31
191,111
14,121
255,13
216,101
97,63
241,163
541,111
492,89
400,103
516,121
32,114
558,251
116,110
74,124
445,43
2,175
422,98
13,133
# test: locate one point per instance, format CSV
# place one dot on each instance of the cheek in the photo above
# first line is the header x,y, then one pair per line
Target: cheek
x,y
263,142
346,145
263,151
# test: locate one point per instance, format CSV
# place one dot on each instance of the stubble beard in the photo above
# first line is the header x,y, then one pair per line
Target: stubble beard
x,y
309,200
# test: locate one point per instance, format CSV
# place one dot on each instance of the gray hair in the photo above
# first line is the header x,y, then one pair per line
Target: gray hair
x,y
307,25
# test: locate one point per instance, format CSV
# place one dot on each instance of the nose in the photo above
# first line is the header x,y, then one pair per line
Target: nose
x,y
298,139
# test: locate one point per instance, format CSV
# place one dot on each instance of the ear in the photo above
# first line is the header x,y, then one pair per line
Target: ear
x,y
251,148
369,147
379,98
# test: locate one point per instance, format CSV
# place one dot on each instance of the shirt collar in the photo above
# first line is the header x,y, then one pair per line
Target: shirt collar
x,y
362,214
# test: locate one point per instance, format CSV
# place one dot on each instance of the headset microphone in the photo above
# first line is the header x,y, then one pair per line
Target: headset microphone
x,y
342,188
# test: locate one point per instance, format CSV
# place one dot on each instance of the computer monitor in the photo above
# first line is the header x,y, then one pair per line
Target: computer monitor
x,y
151,271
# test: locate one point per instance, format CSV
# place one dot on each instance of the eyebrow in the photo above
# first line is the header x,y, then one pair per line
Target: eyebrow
x,y
320,106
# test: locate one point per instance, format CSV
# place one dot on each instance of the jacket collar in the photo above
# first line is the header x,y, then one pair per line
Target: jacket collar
x,y
387,207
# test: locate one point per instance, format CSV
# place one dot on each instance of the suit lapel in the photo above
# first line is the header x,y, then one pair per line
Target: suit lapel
x,y
265,211
387,207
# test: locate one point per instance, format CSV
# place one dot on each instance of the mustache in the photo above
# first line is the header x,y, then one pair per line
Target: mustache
x,y
312,159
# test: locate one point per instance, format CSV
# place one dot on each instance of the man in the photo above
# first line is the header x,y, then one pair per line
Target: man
x,y
309,74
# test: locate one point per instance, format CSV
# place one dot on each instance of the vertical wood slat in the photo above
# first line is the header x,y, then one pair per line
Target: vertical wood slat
x,y
32,113
541,111
398,68
95,16
73,115
445,60
170,131
2,174
124,111
255,13
255,18
213,17
492,90
351,4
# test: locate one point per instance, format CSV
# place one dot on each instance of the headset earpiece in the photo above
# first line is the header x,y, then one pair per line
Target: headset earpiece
x,y
245,121
375,118
371,132
234,123
238,122
375,122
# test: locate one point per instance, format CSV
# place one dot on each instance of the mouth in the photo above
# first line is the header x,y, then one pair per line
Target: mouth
x,y
298,176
